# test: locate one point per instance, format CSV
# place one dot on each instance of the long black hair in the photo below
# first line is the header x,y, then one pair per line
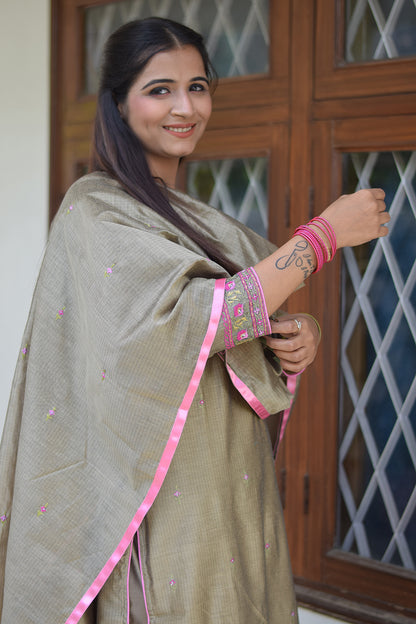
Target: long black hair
x,y
116,148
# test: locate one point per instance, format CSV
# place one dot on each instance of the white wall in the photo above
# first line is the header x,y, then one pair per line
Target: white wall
x,y
24,163
24,170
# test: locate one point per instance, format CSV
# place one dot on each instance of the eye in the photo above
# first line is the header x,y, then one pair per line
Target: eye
x,y
198,86
159,91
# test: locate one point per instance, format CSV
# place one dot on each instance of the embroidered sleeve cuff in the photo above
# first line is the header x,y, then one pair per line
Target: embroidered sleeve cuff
x,y
244,313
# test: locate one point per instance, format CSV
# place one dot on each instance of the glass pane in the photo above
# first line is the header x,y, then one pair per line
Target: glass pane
x,y
379,29
238,187
236,32
377,454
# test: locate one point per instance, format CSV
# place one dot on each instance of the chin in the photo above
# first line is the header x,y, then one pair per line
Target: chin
x,y
181,153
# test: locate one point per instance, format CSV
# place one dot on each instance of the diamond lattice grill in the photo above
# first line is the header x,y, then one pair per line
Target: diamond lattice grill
x,y
377,455
236,31
380,29
238,187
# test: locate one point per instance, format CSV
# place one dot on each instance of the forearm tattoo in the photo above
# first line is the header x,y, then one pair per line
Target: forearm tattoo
x,y
300,257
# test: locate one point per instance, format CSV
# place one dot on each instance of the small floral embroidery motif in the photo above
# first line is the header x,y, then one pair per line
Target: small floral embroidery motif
x,y
232,560
201,402
3,518
51,413
42,510
230,285
60,313
267,546
24,351
245,477
69,210
109,270
177,495
103,374
238,310
172,583
242,335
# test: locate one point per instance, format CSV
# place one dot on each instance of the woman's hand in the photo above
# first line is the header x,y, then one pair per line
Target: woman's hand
x,y
298,346
359,217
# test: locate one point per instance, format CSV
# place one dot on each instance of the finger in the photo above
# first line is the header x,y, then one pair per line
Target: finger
x,y
384,219
293,367
293,357
284,346
378,193
297,364
288,326
298,324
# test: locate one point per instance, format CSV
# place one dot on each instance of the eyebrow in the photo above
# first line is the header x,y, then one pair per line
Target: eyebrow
x,y
169,80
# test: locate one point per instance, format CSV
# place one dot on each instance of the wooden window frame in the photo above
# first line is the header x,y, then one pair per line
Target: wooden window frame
x,y
336,78
328,579
335,109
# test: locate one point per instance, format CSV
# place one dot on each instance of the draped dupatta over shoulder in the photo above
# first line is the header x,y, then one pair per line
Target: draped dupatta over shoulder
x,y
126,315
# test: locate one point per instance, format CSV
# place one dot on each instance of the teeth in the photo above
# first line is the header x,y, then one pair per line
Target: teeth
x,y
179,129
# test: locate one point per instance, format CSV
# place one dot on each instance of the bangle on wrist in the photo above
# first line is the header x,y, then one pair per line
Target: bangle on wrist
x,y
315,240
328,230
315,321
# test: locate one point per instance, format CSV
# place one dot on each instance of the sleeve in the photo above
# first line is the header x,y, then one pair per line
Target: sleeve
x,y
244,314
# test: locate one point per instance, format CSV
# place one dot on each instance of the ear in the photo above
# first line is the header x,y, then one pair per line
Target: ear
x,y
121,110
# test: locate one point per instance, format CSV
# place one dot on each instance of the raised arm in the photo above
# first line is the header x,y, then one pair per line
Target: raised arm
x,y
354,219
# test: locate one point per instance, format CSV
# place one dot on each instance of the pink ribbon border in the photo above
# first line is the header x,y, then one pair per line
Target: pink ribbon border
x,y
256,404
291,386
247,394
165,460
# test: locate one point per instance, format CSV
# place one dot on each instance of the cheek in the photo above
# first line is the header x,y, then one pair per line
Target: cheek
x,y
143,113
209,107
206,109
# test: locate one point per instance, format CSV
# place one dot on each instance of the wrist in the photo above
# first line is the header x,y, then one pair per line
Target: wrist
x,y
318,327
321,238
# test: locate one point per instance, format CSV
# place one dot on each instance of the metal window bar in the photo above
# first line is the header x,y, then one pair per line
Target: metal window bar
x,y
396,538
366,21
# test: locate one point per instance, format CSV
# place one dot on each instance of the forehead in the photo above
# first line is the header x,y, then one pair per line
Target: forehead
x,y
178,64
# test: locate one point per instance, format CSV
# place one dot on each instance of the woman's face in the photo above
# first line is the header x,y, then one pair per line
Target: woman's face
x,y
168,107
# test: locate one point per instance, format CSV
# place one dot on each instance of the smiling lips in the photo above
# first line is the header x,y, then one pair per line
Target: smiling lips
x,y
182,131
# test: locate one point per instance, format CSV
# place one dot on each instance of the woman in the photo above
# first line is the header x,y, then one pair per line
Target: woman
x,y
137,468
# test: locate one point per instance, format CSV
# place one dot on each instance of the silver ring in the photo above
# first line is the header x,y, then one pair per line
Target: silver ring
x,y
299,324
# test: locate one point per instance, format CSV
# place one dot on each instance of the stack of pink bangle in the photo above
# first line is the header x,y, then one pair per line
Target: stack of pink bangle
x,y
322,253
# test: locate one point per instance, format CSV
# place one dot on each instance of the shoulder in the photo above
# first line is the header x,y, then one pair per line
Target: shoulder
x,y
98,185
98,197
96,206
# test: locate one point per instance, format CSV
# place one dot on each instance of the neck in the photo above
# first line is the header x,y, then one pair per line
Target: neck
x,y
165,169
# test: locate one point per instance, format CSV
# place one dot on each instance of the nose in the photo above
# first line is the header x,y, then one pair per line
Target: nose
x,y
182,104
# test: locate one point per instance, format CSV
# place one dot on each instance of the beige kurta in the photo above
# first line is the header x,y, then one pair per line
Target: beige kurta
x,y
127,413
